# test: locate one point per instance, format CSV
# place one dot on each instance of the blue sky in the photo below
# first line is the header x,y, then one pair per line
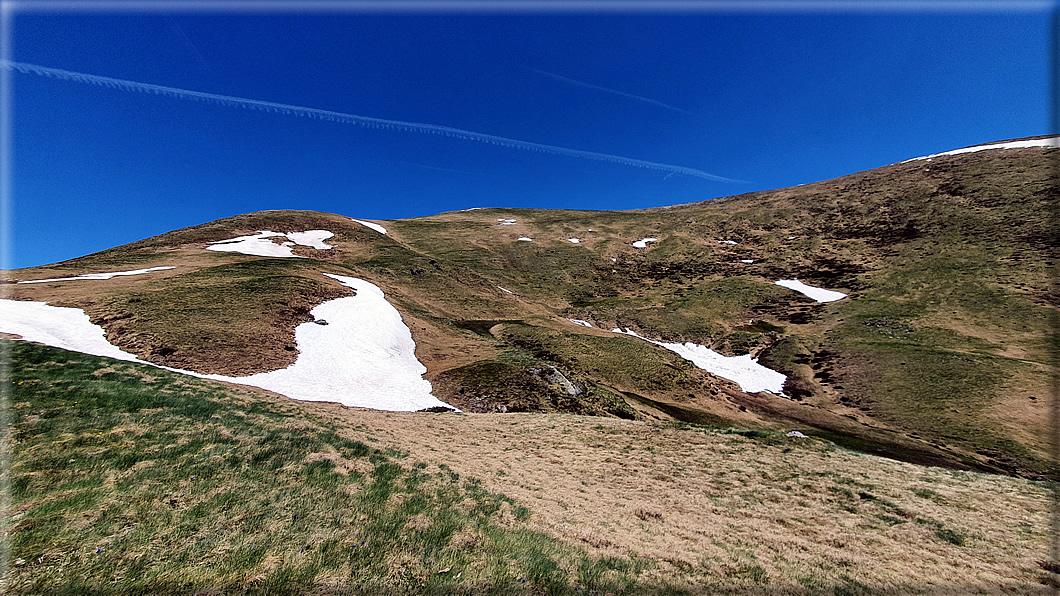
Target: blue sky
x,y
765,99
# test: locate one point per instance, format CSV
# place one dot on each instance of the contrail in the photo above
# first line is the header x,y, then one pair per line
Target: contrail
x,y
609,90
179,32
365,121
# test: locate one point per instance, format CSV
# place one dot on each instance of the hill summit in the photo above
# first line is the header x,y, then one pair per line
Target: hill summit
x,y
902,311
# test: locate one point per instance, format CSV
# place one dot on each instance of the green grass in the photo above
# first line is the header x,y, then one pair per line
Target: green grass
x,y
615,361
516,382
947,267
928,380
128,479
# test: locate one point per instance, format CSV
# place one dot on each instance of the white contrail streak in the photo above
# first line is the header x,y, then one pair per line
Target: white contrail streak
x,y
330,116
609,90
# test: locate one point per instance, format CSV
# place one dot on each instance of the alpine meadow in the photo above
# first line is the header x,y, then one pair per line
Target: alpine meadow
x,y
842,387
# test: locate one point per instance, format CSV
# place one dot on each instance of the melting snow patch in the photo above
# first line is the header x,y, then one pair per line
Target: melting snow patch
x,y
368,224
525,239
644,243
364,357
817,294
506,222
796,435
60,327
730,242
311,238
258,245
473,209
97,275
748,261
1047,142
574,240
745,371
504,290
581,322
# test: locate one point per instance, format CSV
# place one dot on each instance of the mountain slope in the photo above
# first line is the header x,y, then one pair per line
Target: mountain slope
x,y
941,353
127,479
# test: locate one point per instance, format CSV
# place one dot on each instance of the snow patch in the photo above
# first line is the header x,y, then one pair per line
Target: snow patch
x,y
506,222
60,327
1047,142
505,290
581,322
729,242
364,357
748,261
644,243
574,240
97,275
796,435
525,239
258,245
312,238
745,371
472,208
368,224
817,294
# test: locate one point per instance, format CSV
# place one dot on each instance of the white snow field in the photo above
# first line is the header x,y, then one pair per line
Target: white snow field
x,y
60,327
525,239
581,322
98,275
1046,142
574,240
259,244
312,238
817,294
644,243
745,371
364,357
368,224
506,222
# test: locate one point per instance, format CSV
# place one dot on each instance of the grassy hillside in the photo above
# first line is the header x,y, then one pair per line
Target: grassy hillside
x,y
942,352
127,479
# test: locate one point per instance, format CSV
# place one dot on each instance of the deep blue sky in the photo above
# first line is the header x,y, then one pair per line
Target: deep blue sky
x,y
772,100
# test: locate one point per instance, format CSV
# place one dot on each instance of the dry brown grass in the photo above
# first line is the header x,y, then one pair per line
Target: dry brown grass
x,y
653,505
945,267
725,510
